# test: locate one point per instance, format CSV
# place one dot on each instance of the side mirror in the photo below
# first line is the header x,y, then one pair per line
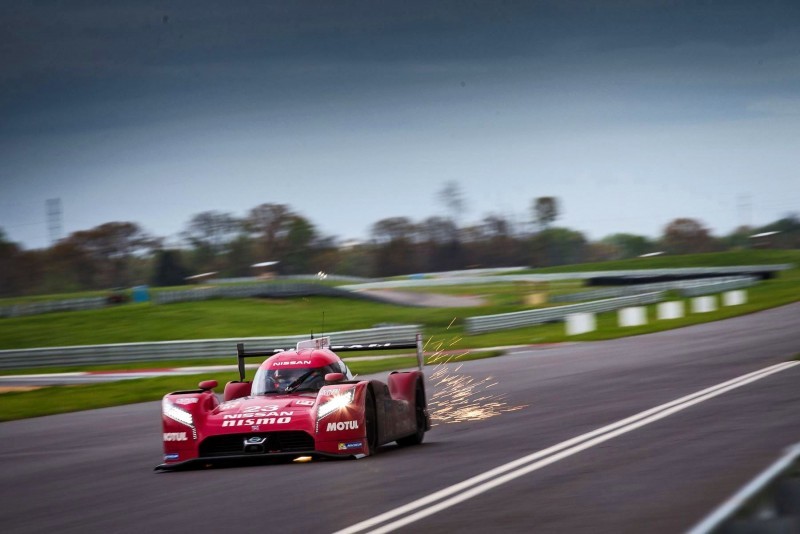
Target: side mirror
x,y
334,377
205,385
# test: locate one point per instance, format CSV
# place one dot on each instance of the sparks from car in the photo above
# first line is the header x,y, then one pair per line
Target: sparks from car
x,y
458,397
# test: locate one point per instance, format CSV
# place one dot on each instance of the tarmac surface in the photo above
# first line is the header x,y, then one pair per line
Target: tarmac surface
x,y
92,471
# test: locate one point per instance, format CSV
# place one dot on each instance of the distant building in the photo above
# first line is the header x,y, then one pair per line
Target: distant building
x,y
264,270
349,244
201,278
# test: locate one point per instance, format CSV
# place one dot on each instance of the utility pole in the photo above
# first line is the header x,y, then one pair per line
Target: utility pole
x,y
54,219
745,208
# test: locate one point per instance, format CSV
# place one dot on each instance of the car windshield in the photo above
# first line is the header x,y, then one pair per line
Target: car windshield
x,y
289,380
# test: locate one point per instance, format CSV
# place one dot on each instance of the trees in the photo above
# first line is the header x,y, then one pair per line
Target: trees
x,y
788,232
9,253
210,234
452,198
558,246
298,247
282,235
439,246
119,253
545,211
492,243
629,245
241,255
393,238
687,236
168,269
112,247
269,225
72,266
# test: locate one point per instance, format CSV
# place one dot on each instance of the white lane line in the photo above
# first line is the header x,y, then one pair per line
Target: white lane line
x,y
568,448
535,456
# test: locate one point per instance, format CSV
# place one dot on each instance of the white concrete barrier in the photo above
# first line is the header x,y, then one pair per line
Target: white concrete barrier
x,y
580,323
671,310
734,298
704,304
632,316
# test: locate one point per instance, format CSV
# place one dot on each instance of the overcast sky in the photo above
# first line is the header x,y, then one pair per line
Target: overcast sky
x,y
632,113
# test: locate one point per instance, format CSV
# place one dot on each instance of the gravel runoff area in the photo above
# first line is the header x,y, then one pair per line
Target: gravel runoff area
x,y
430,300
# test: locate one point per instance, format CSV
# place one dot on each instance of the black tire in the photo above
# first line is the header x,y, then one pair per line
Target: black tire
x,y
371,423
422,420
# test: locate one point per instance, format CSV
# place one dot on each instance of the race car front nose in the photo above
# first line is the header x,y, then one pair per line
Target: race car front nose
x,y
255,445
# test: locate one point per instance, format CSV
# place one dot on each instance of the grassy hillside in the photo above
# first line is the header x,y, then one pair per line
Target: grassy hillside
x,y
265,317
714,259
260,317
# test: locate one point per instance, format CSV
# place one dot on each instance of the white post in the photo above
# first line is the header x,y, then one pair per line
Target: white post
x,y
580,323
632,316
734,298
704,304
671,310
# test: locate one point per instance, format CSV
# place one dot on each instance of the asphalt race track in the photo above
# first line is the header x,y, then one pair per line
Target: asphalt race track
x,y
93,471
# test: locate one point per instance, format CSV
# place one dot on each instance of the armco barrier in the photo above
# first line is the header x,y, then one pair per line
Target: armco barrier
x,y
703,286
503,321
264,289
768,503
709,288
35,308
182,350
738,271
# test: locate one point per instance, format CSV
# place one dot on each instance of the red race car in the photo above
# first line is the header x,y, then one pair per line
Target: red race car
x,y
301,403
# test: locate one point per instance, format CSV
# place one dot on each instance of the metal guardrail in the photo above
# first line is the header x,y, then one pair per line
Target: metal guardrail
x,y
769,503
503,321
709,288
303,277
742,270
35,308
182,350
264,289
688,288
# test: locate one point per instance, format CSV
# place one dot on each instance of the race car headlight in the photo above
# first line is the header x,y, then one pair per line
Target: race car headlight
x,y
176,414
335,403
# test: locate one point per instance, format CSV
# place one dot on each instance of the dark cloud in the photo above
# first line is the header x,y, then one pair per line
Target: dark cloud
x,y
81,73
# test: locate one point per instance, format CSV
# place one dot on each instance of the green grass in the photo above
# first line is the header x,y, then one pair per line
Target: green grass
x,y
265,317
210,319
64,399
768,294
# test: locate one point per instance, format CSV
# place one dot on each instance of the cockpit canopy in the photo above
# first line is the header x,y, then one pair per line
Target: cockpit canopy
x,y
297,371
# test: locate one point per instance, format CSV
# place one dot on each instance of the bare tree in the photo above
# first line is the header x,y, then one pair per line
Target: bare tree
x,y
394,242
112,246
270,224
212,229
211,233
545,211
687,236
452,198
392,229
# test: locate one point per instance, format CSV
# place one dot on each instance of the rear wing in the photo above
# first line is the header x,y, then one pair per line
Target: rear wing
x,y
324,343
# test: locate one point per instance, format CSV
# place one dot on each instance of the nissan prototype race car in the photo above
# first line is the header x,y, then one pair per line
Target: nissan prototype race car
x,y
301,403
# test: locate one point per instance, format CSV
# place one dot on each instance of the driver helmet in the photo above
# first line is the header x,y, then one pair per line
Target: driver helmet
x,y
281,378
